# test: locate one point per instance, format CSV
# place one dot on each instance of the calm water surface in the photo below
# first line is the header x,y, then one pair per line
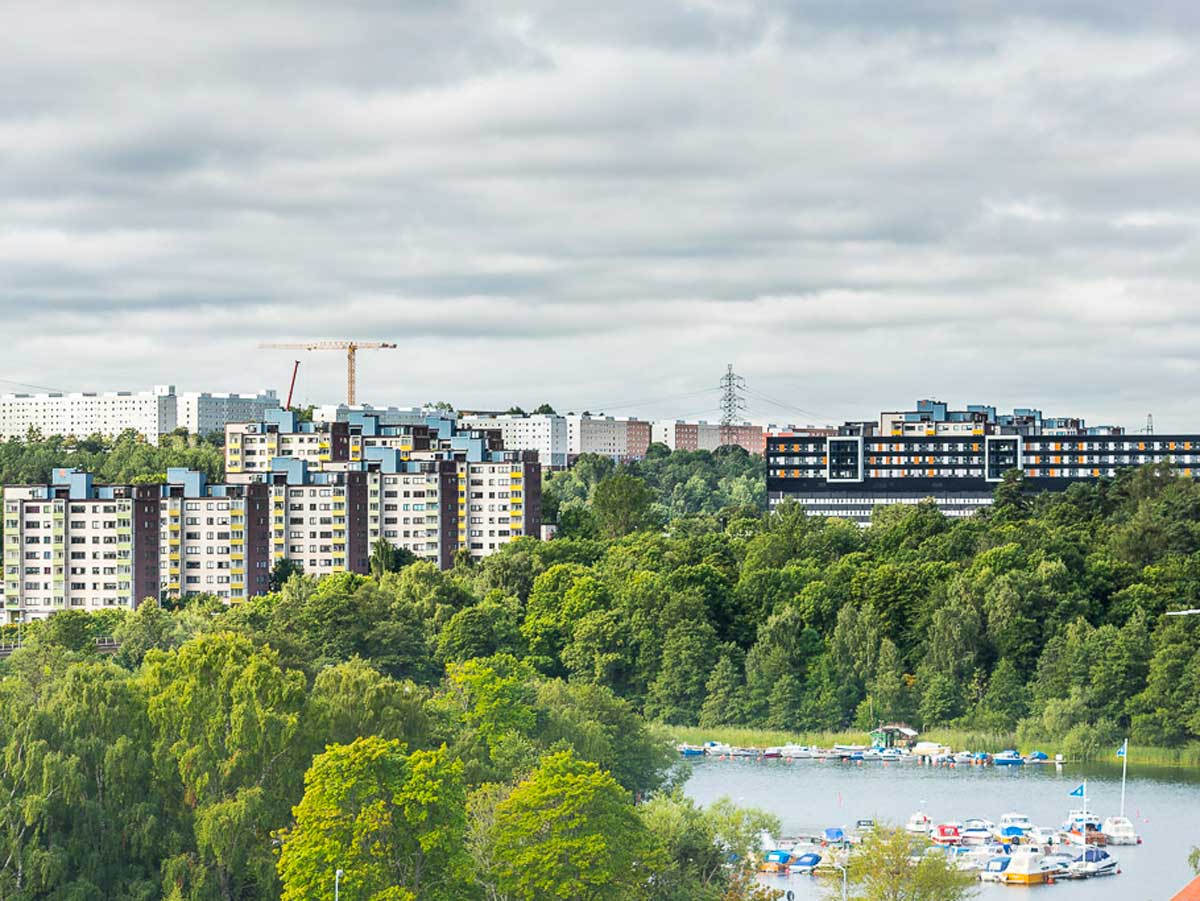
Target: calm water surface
x,y
808,795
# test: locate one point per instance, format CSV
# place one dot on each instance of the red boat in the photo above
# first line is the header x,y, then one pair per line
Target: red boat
x,y
946,834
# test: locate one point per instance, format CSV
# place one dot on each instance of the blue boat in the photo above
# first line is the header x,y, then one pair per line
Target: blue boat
x,y
1008,758
834,835
690,751
805,863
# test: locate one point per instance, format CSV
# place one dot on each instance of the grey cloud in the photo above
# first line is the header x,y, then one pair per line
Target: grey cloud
x,y
855,202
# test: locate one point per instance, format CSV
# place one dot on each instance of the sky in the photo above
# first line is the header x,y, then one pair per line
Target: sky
x,y
601,205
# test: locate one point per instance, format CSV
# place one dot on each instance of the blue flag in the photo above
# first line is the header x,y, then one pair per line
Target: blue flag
x,y
1121,751
1078,793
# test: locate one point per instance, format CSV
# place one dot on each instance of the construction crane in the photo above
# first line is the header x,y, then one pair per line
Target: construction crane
x,y
350,347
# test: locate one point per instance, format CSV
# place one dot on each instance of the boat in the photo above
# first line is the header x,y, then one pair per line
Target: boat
x,y
1020,820
918,824
1083,828
772,753
745,752
1038,757
796,752
1011,835
717,749
977,831
1058,863
995,869
864,825
1042,835
946,834
1094,862
1120,831
1025,867
1008,758
776,861
963,757
891,754
690,750
804,864
834,836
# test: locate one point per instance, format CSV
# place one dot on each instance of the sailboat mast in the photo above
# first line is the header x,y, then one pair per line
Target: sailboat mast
x,y
1124,769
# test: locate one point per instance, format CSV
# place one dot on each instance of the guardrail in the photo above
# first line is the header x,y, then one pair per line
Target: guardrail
x,y
103,646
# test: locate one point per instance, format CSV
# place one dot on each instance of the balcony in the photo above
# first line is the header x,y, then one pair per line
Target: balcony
x,y
173,556
237,556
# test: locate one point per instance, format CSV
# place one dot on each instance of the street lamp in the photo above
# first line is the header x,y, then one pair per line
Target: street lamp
x,y
337,885
843,869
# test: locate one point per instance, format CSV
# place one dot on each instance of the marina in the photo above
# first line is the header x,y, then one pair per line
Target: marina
x,y
981,802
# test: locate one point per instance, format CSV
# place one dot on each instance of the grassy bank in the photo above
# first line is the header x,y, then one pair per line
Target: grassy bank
x,y
956,739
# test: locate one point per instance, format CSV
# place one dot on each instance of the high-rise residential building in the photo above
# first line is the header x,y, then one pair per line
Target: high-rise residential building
x,y
545,433
204,413
679,435
383,415
150,413
72,544
955,458
620,438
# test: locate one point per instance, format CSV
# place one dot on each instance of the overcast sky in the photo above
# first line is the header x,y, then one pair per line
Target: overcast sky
x,y
600,204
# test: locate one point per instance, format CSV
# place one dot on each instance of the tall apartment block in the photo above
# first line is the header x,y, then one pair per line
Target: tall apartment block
x,y
544,433
679,435
621,438
955,457
150,413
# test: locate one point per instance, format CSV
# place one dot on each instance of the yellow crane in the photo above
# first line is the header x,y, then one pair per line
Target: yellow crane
x,y
350,347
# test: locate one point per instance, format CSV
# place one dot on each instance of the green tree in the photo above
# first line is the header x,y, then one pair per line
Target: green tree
x,y
283,570
688,657
225,717
883,870
570,831
388,558
391,821
623,504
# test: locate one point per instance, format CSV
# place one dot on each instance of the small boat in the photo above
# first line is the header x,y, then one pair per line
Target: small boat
x,y
796,752
1020,820
1120,831
717,749
864,825
805,864
834,836
1008,758
977,831
946,834
995,869
1058,863
1042,835
963,757
772,753
745,752
776,861
1037,757
1083,828
918,824
1025,868
690,750
1011,835
891,754
1094,862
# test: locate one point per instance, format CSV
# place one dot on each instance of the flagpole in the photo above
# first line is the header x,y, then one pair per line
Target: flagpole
x,y
1124,769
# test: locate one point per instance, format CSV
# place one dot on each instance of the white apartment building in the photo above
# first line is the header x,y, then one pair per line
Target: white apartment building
x,y
203,548
621,438
62,552
203,414
387,415
150,413
546,433
405,510
497,502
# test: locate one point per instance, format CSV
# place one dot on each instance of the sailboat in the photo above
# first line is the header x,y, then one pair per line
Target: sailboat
x,y
1119,830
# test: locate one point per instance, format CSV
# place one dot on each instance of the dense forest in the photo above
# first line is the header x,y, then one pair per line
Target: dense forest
x,y
484,732
125,458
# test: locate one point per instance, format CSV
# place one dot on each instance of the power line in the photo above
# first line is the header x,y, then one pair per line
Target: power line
x,y
643,402
790,407
27,385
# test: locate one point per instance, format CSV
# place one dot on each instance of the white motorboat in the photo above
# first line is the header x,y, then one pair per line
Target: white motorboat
x,y
1120,831
1083,828
1020,820
995,869
1058,863
977,831
717,749
1025,867
1043,835
918,824
1094,862
796,752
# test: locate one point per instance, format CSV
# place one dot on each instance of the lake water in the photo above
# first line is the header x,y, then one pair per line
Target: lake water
x,y
809,795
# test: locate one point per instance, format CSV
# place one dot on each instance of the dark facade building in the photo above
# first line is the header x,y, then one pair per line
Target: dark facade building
x,y
955,461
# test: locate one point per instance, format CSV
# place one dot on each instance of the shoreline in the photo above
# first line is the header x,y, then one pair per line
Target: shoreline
x,y
1187,757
